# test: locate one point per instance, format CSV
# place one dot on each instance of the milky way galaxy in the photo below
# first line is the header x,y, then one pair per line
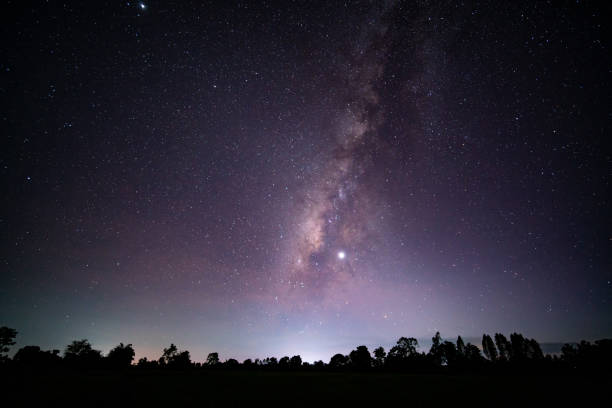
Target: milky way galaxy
x,y
278,179
336,210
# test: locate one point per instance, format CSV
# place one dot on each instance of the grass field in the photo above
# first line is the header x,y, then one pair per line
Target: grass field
x,y
243,388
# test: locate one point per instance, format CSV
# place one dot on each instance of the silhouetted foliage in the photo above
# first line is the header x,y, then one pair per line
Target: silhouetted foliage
x,y
515,356
361,358
7,339
404,348
379,357
472,354
503,347
534,351
488,347
212,359
35,357
460,347
403,354
147,364
121,356
231,363
283,362
295,362
588,357
271,362
173,358
338,361
448,352
435,352
80,353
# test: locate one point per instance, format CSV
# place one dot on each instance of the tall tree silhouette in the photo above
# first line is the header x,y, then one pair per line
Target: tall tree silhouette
x,y
533,350
435,352
460,346
503,346
488,347
518,347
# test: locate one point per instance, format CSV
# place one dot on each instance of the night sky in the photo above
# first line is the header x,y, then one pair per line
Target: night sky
x,y
268,179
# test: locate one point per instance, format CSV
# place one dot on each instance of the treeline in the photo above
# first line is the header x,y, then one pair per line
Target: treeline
x,y
497,354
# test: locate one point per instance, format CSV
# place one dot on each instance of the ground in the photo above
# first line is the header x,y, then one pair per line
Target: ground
x,y
238,388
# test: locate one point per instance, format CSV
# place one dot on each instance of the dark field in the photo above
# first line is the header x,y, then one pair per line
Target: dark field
x,y
239,388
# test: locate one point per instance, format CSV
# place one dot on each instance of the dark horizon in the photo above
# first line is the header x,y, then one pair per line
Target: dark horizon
x,y
303,178
424,345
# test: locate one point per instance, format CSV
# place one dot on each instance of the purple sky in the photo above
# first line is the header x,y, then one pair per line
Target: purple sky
x,y
301,179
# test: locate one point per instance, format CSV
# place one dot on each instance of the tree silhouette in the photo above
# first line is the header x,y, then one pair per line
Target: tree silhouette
x,y
338,361
435,352
172,358
81,353
168,355
534,351
379,357
472,354
295,362
183,360
402,353
270,362
212,359
34,356
518,347
460,347
503,346
283,362
448,353
7,339
360,358
488,347
121,356
231,363
404,348
518,354
145,363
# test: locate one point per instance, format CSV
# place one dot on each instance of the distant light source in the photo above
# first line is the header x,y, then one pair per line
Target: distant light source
x,y
143,6
341,255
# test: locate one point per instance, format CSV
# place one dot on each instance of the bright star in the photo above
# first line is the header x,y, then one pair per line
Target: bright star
x,y
341,255
143,6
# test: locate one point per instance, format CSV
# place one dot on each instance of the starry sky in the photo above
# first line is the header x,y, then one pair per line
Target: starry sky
x,y
277,178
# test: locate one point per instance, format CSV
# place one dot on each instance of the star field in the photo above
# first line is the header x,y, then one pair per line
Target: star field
x,y
271,178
